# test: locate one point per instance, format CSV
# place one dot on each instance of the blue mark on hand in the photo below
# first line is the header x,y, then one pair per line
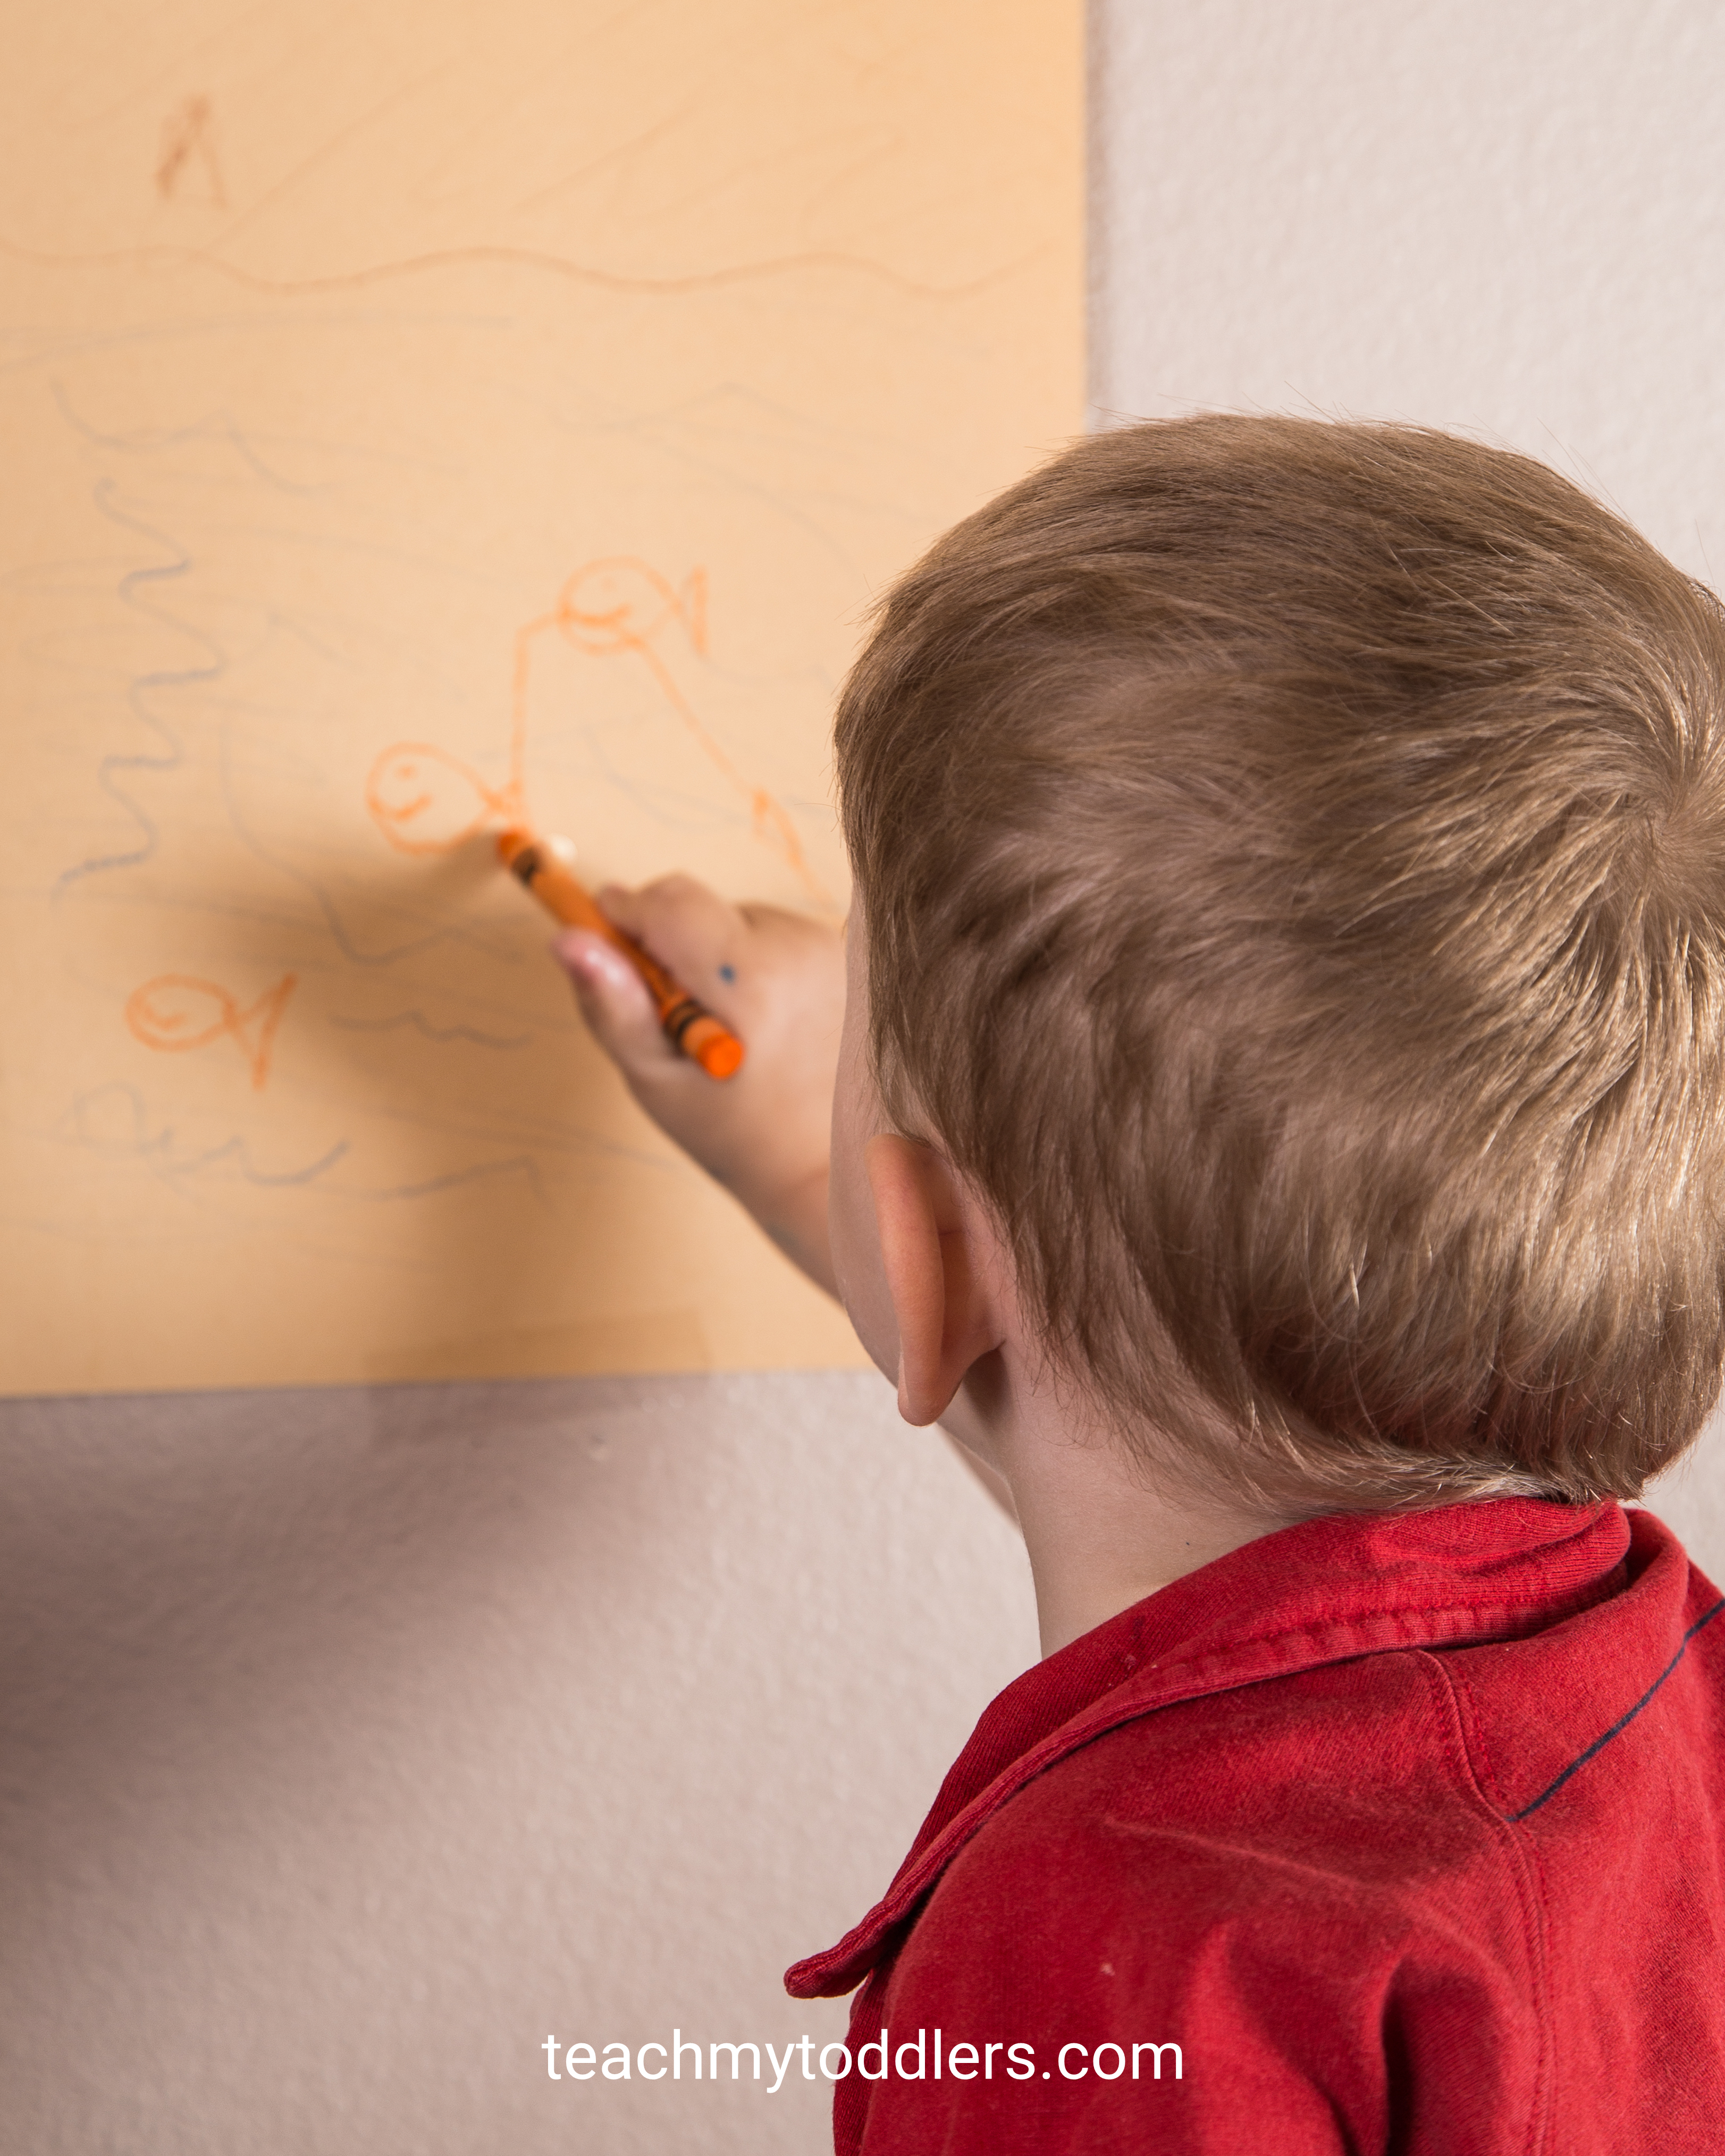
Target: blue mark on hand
x,y
727,972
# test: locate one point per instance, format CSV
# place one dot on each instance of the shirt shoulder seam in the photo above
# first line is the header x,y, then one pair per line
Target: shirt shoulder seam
x,y
1464,1730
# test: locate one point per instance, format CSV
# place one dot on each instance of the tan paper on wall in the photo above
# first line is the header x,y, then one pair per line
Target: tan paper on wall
x,y
406,407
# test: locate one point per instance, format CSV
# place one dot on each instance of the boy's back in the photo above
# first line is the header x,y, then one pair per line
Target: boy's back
x,y
1345,1841
1280,1129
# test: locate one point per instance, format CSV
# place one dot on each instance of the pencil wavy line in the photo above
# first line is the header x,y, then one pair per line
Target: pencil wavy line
x,y
238,1153
216,426
421,1023
519,1164
157,1148
132,591
525,258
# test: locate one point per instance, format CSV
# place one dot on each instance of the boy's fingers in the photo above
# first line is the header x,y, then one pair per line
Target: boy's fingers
x,y
691,932
614,999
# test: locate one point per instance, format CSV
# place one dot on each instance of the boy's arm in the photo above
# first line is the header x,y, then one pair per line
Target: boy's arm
x,y
778,980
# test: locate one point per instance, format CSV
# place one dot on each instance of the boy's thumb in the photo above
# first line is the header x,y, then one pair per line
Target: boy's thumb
x,y
614,1001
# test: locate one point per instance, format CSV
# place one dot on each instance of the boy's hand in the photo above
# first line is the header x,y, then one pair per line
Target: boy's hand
x,y
767,1133
778,980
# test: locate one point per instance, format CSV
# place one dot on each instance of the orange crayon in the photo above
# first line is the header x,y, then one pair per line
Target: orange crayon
x,y
690,1025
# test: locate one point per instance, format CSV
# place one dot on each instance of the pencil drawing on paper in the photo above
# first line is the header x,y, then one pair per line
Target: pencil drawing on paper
x,y
412,440
426,801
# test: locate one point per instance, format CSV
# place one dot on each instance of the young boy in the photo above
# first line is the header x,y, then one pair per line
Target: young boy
x,y
1279,1129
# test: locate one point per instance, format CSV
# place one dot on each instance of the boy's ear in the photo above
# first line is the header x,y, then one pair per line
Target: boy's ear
x,y
933,1277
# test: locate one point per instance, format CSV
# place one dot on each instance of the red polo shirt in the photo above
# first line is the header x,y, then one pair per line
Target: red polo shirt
x,y
1382,1833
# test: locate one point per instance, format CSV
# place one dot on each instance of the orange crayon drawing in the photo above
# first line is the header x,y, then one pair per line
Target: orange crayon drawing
x,y
178,1011
424,800
189,131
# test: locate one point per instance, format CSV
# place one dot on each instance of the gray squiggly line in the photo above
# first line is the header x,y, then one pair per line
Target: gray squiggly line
x,y
411,947
521,1164
421,1023
159,1148
217,426
236,1150
142,686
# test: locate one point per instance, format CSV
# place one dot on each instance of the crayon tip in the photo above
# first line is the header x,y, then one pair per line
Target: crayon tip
x,y
516,838
721,1059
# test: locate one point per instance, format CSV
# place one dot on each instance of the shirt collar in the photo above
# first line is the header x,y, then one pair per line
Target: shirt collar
x,y
1323,1591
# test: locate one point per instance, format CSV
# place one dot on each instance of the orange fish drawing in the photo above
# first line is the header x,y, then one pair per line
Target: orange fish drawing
x,y
426,801
620,604
178,1011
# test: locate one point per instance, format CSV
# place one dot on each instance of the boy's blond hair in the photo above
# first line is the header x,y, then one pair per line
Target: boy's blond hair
x,y
1293,860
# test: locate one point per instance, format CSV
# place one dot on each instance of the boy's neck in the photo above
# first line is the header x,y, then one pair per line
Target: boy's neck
x,y
1099,1536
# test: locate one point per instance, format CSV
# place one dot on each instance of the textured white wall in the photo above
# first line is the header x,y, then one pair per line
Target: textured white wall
x,y
1502,216
350,1742
1506,216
